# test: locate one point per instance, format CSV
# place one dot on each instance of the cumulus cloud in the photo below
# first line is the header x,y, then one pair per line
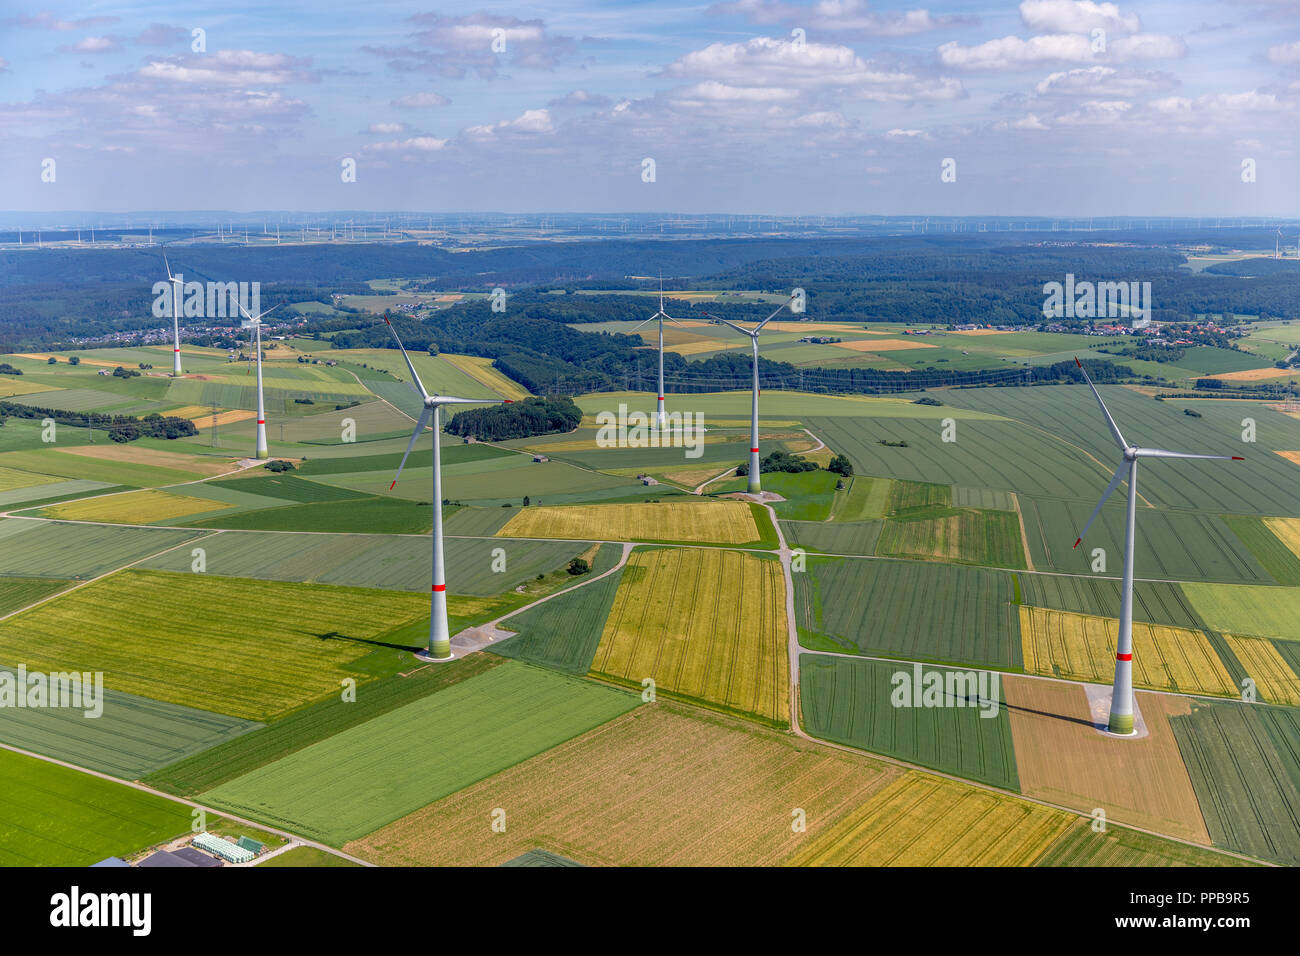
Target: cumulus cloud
x,y
1285,53
105,44
529,122
416,145
1103,81
386,129
1014,53
1076,16
46,20
764,62
482,42
231,68
419,101
848,18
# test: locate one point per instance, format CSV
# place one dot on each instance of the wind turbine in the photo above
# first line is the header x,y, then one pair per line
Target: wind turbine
x,y
660,419
439,634
1121,701
178,286
755,486
255,322
1277,244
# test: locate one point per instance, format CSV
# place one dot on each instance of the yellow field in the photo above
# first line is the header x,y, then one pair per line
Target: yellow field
x,y
706,624
11,478
719,522
480,369
691,477
981,332
1286,530
1082,647
1253,374
704,345
919,820
1276,681
63,358
133,507
883,345
13,385
201,415
1291,456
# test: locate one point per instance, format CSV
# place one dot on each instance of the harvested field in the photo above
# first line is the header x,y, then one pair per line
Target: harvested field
x,y
919,820
1253,374
1287,530
139,455
882,345
721,522
664,785
1062,759
1082,647
480,369
705,624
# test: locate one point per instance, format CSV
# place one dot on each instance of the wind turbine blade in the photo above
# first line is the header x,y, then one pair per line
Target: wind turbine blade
x,y
641,323
1114,483
732,324
419,430
1161,453
168,268
1114,429
415,377
451,400
771,317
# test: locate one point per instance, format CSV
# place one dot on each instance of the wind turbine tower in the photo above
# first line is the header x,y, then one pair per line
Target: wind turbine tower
x,y
660,418
255,323
439,633
755,485
178,286
1121,700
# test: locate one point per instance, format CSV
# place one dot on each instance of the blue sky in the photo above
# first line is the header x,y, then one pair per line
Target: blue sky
x,y
1046,107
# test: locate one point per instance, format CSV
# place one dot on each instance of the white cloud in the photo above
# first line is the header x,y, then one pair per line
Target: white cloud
x,y
233,68
1102,81
1285,52
92,45
1013,53
842,18
528,122
1076,16
416,144
580,98
386,129
412,101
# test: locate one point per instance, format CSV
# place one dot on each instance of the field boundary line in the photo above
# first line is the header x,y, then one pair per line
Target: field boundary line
x,y
627,551
136,785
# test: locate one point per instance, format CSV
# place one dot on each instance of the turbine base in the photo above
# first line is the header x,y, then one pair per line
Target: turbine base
x,y
429,658
1121,724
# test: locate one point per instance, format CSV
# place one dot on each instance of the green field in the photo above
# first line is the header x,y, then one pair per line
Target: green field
x,y
1261,611
307,726
848,702
390,562
1171,545
1153,601
359,515
564,632
240,647
17,593
863,500
965,536
1245,766
131,737
833,537
286,487
358,780
913,610
53,816
50,549
1277,559
809,494
307,856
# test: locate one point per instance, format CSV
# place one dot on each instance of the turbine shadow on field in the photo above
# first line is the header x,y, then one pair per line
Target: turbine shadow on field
x,y
1047,713
369,642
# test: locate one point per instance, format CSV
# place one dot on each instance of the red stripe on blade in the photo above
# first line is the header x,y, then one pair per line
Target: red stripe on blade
x,y
1237,458
1076,541
393,485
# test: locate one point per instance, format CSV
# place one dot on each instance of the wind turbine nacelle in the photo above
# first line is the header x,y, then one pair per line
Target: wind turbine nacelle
x,y
249,323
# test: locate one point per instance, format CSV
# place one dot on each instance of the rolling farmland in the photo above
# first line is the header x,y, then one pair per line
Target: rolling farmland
x,y
1258,611
849,702
1081,846
245,648
369,775
1246,770
1278,683
133,507
53,816
833,537
968,537
888,609
47,549
705,624
625,793
1082,647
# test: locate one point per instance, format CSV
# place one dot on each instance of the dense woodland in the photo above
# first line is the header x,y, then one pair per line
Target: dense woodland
x,y
532,416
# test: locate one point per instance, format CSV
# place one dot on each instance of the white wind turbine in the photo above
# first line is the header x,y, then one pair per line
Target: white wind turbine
x,y
660,418
255,322
755,485
439,633
178,286
1121,701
